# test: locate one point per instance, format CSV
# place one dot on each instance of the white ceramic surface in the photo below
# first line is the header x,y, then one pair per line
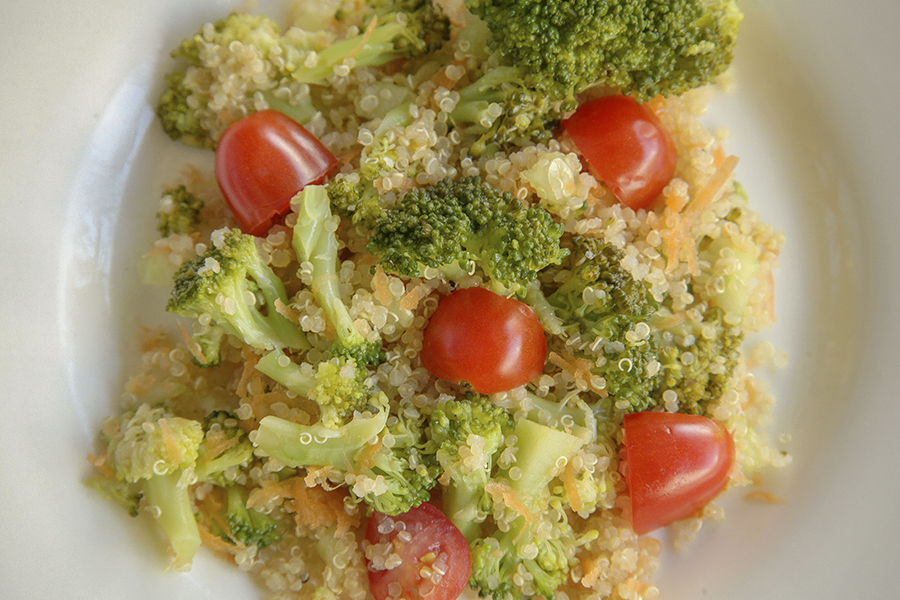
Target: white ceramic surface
x,y
814,121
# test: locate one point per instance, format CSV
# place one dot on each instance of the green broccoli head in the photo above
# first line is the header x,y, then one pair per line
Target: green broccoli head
x,y
152,447
151,441
643,47
246,525
355,199
232,285
456,222
466,435
602,302
698,366
179,212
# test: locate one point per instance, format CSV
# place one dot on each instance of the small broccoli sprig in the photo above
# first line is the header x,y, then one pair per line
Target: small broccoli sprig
x,y
397,29
179,212
246,525
150,448
205,93
697,366
380,463
601,302
225,449
467,435
338,386
315,242
239,293
533,554
454,223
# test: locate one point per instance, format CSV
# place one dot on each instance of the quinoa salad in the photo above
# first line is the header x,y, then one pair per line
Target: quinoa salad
x,y
433,330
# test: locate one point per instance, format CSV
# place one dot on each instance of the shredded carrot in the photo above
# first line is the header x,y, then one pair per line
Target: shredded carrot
x,y
712,188
217,442
591,569
768,497
510,497
169,440
411,299
312,506
381,285
366,457
718,153
100,464
365,37
571,486
579,367
192,346
441,79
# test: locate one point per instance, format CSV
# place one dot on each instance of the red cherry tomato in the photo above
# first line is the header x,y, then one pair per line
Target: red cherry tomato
x,y
626,146
674,465
492,342
262,161
435,562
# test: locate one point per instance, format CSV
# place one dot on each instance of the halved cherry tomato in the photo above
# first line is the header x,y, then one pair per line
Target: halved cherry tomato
x,y
435,562
626,146
492,342
262,161
674,465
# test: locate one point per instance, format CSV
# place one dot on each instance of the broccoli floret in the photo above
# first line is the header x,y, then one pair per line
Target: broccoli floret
x,y
151,447
339,385
699,364
609,310
467,435
547,52
232,285
192,88
397,29
454,223
356,199
382,464
315,242
642,47
539,540
198,103
225,447
246,525
179,212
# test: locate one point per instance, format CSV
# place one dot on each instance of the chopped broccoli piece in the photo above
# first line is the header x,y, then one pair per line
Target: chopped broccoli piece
x,y
225,447
201,100
381,463
152,447
337,385
546,52
397,29
246,525
356,199
179,212
225,283
539,540
468,434
456,222
699,364
315,242
609,310
642,47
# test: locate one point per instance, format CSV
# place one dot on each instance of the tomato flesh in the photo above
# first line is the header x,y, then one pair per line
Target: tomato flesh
x,y
262,161
433,545
675,464
626,146
491,342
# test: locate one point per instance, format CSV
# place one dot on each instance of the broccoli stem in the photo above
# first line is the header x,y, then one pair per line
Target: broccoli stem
x,y
461,504
540,450
314,241
315,445
174,513
279,367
